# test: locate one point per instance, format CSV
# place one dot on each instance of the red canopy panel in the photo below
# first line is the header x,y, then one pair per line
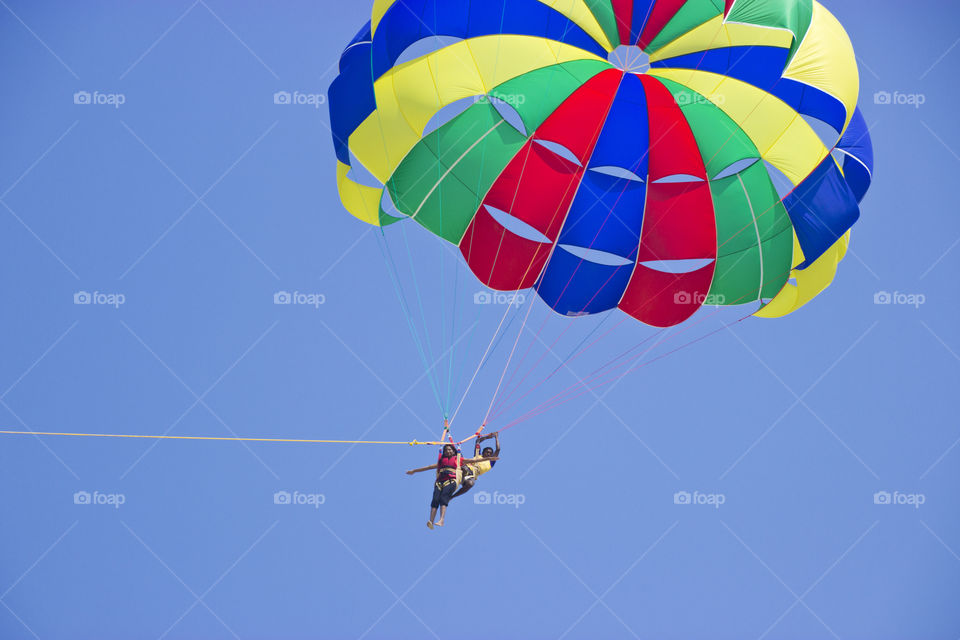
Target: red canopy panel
x,y
678,220
537,188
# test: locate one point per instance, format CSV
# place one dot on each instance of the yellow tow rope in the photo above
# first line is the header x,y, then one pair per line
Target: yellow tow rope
x,y
232,439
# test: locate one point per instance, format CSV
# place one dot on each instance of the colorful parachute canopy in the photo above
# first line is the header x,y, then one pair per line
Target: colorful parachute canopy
x,y
612,153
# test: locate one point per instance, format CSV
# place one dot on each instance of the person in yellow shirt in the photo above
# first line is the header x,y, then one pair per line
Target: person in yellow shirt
x,y
476,468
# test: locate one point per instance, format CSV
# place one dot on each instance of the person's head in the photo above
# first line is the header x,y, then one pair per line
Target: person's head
x,y
449,451
487,452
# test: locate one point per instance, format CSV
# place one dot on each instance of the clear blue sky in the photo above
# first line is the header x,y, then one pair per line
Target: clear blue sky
x,y
199,198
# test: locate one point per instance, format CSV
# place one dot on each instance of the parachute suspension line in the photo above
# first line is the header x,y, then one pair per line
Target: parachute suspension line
x,y
584,385
558,399
544,408
523,359
495,259
398,289
597,134
499,408
548,348
453,330
574,353
511,389
482,359
493,398
502,407
443,330
604,369
416,288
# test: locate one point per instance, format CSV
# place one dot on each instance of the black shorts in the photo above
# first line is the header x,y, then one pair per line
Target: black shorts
x,y
443,490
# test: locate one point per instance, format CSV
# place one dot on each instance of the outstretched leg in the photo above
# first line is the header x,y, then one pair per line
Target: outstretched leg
x,y
467,485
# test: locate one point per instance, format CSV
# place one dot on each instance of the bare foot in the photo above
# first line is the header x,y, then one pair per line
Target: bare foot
x,y
430,525
439,524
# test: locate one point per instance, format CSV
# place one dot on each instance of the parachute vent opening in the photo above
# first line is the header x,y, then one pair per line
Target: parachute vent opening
x,y
506,107
449,113
424,47
389,208
618,172
517,226
359,174
792,282
839,156
560,150
780,182
740,165
630,59
678,178
688,265
596,256
828,135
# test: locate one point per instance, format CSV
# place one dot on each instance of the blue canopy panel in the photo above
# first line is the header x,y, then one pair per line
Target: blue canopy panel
x,y
858,155
351,94
573,286
822,208
409,21
763,68
641,13
601,232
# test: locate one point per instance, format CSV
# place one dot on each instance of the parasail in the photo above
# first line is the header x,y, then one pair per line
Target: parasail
x,y
612,153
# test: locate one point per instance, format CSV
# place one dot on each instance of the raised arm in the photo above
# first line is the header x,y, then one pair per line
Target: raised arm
x,y
496,438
